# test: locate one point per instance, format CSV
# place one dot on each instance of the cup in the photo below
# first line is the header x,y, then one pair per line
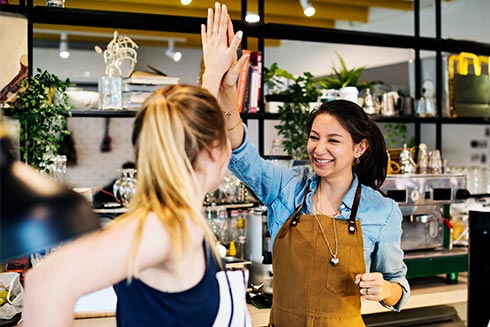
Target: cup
x,y
393,167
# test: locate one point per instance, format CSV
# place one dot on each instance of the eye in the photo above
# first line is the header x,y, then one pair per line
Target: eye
x,y
313,137
333,140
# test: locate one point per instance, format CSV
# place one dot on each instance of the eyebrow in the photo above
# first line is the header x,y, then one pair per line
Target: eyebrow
x,y
329,135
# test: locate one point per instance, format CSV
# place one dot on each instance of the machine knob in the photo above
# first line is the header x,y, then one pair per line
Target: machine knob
x,y
415,195
462,194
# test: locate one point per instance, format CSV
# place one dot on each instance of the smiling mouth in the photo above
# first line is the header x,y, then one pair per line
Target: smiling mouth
x,y
324,161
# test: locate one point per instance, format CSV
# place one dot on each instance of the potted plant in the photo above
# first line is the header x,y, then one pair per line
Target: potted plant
x,y
345,80
41,108
293,114
276,82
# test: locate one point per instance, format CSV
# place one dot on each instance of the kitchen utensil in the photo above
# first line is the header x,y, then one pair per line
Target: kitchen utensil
x,y
105,146
406,106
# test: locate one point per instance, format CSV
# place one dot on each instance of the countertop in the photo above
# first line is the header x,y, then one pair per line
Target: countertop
x,y
428,291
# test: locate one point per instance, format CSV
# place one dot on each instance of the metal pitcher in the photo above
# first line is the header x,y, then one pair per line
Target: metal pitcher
x,y
390,103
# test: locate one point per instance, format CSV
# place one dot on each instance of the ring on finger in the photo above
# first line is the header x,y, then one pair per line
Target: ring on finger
x,y
367,291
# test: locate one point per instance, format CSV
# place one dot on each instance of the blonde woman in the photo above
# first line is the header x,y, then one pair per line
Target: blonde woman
x,y
156,253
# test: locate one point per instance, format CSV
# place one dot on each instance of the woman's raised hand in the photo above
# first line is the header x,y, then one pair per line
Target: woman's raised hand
x,y
220,44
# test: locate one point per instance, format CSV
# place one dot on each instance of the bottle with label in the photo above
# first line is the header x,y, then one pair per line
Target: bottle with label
x,y
242,223
241,247
233,226
422,159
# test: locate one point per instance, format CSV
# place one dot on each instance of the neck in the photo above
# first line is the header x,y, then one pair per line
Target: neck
x,y
330,193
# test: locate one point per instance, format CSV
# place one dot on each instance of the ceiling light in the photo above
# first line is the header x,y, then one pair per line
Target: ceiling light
x,y
252,17
185,2
308,9
171,53
64,53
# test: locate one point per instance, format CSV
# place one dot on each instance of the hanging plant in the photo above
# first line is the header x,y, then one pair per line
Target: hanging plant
x,y
42,109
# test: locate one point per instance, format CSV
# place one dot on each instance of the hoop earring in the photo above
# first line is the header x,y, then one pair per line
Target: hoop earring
x,y
358,161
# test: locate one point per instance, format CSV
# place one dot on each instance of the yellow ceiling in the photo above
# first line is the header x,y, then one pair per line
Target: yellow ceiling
x,y
276,11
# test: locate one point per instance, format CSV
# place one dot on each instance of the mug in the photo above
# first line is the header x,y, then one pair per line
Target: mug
x,y
393,167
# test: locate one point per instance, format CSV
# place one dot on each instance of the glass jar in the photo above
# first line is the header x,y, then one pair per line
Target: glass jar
x,y
125,186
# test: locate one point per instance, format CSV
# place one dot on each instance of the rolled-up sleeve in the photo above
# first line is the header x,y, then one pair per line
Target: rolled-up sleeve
x,y
388,258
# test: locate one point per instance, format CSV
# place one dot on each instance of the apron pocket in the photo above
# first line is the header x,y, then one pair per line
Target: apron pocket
x,y
338,276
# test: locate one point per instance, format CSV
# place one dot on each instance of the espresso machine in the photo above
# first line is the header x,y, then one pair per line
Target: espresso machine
x,y
424,200
259,251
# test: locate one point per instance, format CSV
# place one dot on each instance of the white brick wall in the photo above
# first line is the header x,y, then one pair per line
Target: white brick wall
x,y
96,168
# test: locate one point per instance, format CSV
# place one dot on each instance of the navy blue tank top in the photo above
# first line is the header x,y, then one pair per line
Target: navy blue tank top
x,y
141,305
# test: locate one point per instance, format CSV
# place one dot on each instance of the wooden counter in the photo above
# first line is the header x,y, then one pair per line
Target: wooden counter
x,y
428,291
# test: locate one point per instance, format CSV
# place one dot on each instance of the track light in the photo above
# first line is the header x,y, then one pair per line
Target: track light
x,y
252,17
185,2
308,9
64,53
171,53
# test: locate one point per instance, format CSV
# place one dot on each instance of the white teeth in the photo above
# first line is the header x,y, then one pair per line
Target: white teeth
x,y
324,161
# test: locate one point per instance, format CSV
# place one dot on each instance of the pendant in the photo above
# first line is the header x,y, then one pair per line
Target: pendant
x,y
334,261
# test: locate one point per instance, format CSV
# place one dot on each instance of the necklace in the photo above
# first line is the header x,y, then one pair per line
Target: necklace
x,y
334,261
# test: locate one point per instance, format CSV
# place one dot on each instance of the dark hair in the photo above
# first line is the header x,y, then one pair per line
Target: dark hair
x,y
372,167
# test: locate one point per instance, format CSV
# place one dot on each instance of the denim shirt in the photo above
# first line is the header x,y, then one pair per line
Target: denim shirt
x,y
281,190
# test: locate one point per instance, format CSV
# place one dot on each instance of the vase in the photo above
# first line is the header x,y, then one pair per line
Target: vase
x,y
110,91
349,93
124,187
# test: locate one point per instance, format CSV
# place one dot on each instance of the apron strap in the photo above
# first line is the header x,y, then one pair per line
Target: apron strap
x,y
292,221
355,206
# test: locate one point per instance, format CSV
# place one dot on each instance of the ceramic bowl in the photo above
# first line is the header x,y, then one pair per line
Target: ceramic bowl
x,y
83,99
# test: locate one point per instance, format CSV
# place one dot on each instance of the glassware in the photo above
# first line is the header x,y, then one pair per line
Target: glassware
x,y
422,159
125,187
407,165
110,90
435,162
368,105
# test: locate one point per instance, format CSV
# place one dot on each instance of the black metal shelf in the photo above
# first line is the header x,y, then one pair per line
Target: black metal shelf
x,y
391,119
274,116
103,113
184,24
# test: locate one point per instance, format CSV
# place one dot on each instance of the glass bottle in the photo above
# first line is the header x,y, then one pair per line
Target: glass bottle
x,y
422,159
407,165
240,250
435,162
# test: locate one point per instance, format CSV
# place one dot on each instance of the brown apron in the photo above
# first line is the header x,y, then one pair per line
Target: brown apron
x,y
308,290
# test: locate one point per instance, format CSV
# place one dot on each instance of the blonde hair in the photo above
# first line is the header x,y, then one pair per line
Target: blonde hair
x,y
171,129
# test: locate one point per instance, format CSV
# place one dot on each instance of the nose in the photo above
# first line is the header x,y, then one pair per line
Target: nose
x,y
321,147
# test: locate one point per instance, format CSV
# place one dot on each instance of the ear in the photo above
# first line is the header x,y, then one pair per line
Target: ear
x,y
214,151
360,148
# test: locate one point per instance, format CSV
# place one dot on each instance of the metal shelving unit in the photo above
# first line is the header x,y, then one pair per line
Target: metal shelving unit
x,y
262,31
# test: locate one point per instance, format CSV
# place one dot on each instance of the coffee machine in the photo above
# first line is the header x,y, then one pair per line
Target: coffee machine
x,y
259,250
424,201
